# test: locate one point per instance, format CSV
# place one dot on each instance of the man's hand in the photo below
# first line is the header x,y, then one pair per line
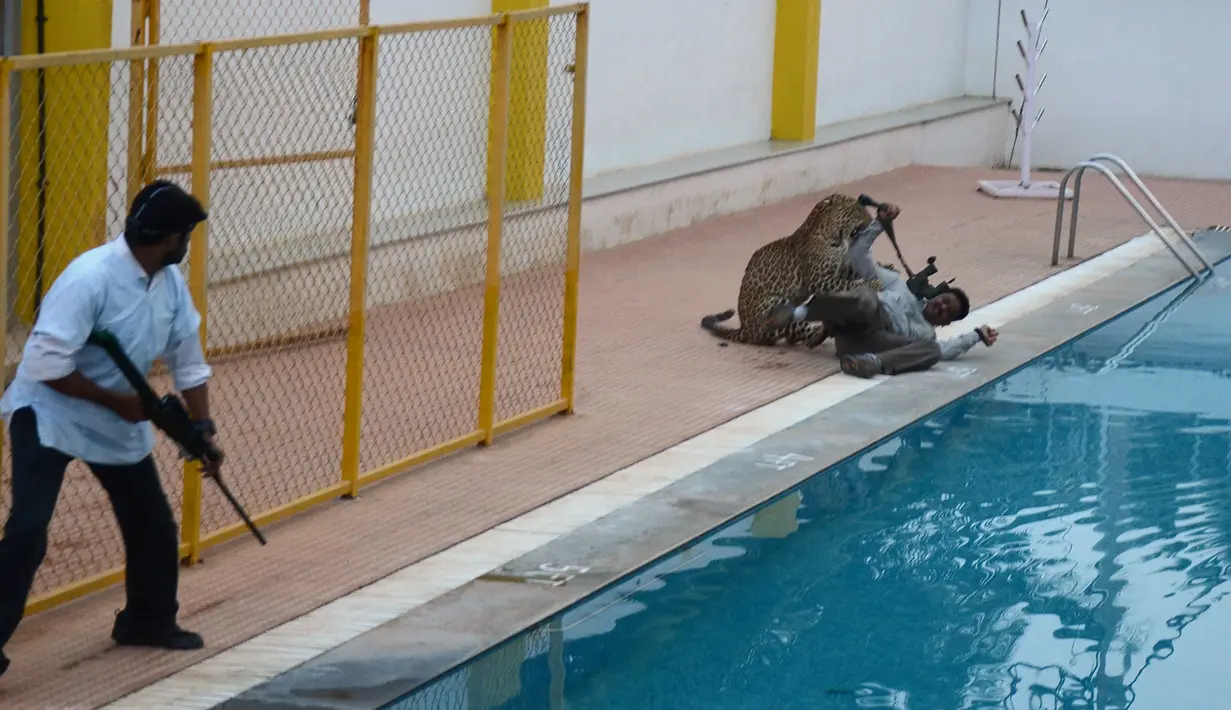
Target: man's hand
x,y
210,468
887,212
987,334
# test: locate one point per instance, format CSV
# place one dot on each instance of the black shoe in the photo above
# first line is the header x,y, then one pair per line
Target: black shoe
x,y
862,365
4,663
172,637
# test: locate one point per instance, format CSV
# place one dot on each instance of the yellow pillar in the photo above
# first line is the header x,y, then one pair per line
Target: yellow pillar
x,y
61,149
527,132
797,34
778,519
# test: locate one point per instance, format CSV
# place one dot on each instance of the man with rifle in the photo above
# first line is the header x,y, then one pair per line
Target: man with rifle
x,y
891,331
69,400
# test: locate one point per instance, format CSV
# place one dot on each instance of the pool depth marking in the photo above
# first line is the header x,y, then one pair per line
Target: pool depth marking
x,y
782,462
232,671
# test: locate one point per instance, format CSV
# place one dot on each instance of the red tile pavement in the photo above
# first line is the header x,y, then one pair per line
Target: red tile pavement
x,y
648,378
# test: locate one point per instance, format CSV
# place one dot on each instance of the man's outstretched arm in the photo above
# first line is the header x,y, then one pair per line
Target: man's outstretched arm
x,y
953,347
956,347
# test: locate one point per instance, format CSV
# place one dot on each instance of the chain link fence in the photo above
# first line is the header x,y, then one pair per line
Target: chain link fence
x,y
186,21
429,242
534,254
67,192
371,298
281,203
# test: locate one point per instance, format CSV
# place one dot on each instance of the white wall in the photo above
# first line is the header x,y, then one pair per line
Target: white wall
x,y
673,78
690,76
1144,79
666,80
880,56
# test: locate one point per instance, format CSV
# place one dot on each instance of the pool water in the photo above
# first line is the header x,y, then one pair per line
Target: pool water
x,y
1057,539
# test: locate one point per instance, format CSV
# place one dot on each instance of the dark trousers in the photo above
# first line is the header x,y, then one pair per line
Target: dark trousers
x,y
147,525
859,325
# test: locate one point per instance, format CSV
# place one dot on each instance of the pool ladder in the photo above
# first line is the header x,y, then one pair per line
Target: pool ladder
x,y
1095,163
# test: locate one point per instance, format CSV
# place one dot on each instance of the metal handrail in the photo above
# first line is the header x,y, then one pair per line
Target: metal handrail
x,y
1154,227
1132,175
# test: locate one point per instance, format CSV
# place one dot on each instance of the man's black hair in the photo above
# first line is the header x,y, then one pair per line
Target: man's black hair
x,y
161,209
963,303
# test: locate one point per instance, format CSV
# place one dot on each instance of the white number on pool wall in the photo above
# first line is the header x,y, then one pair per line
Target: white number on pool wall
x,y
783,462
571,570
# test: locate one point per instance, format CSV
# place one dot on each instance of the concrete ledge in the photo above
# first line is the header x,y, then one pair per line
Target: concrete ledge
x,y
630,205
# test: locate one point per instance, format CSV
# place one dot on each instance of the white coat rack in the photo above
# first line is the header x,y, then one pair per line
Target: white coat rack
x,y
1030,51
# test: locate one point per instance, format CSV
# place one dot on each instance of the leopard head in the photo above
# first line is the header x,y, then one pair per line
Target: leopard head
x,y
835,220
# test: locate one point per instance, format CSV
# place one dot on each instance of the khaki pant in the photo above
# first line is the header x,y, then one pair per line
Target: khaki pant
x,y
859,325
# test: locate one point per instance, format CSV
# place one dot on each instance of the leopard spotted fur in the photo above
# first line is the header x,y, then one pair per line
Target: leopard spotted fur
x,y
789,269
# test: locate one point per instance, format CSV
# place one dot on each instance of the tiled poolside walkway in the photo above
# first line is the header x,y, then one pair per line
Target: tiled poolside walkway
x,y
648,378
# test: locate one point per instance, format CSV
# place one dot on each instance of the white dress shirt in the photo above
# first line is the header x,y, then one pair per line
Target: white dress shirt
x,y
151,317
904,309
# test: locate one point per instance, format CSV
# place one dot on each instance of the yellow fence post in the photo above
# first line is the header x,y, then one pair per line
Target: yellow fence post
x,y
136,103
796,41
365,139
572,273
149,156
497,156
62,173
527,130
365,12
6,150
198,274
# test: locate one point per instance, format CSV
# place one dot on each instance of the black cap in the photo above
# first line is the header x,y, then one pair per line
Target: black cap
x,y
963,303
161,209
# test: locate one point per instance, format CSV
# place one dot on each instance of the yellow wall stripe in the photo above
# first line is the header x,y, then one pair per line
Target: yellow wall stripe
x,y
797,34
71,217
527,133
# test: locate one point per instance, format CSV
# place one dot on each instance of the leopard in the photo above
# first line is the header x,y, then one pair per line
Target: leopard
x,y
789,269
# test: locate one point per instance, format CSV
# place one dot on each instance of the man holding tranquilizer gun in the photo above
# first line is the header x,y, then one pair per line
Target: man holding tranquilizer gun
x,y
892,331
69,401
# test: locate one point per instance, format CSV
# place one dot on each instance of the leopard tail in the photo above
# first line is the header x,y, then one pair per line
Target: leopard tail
x,y
710,323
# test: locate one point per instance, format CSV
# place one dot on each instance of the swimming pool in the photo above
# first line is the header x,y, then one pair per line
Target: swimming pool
x,y
1056,539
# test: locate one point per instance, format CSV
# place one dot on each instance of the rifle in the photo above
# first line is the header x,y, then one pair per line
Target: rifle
x,y
169,414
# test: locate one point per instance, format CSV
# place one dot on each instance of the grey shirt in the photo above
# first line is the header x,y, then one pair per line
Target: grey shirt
x,y
904,310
